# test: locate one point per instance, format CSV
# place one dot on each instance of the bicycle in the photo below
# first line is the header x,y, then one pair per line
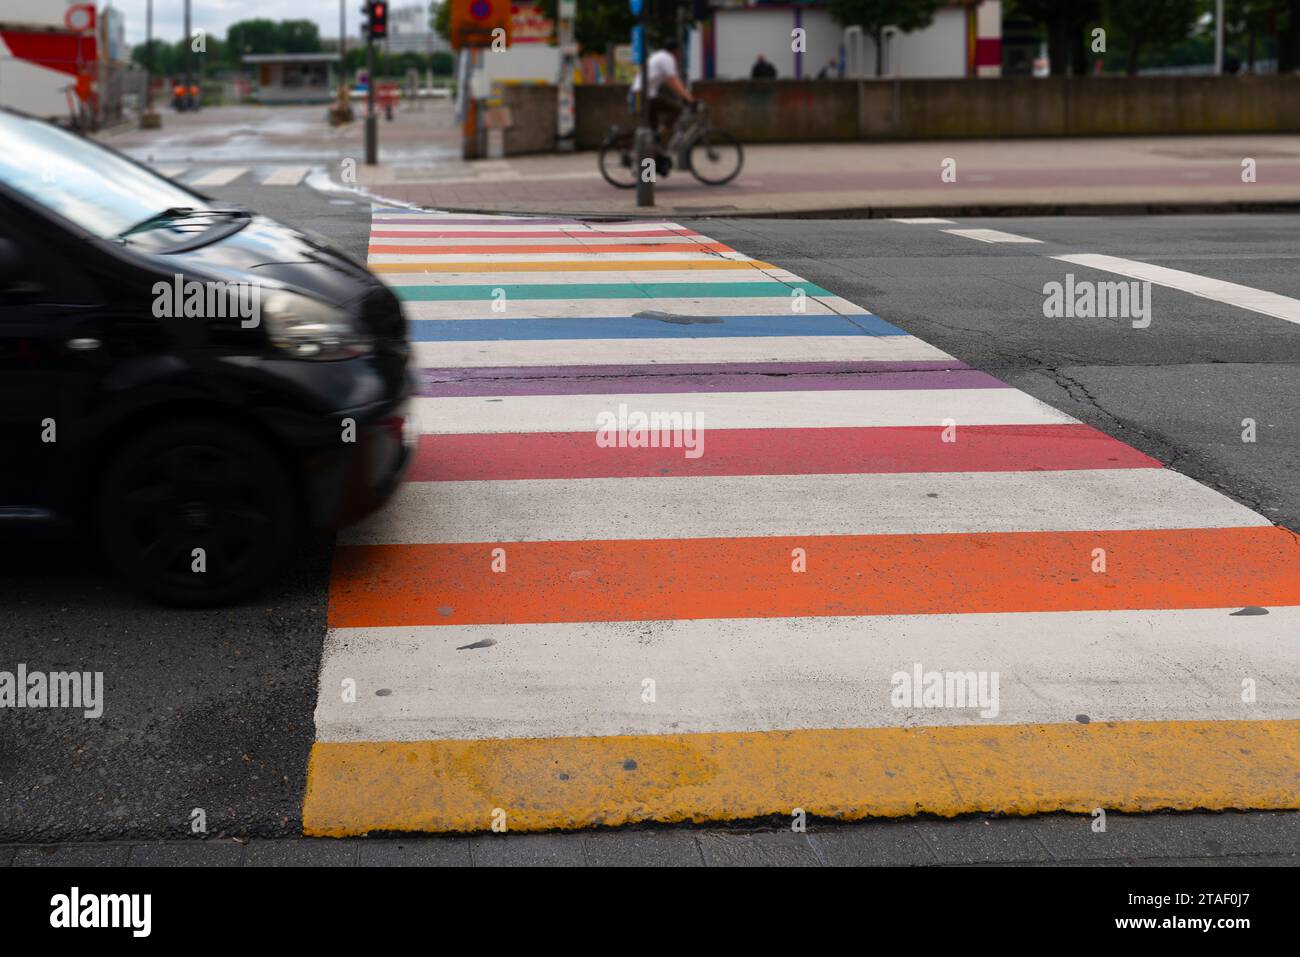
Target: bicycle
x,y
713,156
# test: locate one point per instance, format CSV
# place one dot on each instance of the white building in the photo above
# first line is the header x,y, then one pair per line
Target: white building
x,y
409,31
964,39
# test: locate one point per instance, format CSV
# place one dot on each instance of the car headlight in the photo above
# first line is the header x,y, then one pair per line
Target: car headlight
x,y
308,329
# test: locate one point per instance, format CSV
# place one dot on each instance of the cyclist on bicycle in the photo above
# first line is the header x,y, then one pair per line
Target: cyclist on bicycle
x,y
667,92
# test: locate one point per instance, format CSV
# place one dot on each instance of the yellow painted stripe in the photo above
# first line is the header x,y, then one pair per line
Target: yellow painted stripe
x,y
595,265
355,788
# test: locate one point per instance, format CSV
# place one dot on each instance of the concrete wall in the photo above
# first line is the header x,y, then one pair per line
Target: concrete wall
x,y
828,110
533,113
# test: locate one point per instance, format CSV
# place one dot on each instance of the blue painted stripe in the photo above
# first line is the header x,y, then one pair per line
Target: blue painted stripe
x,y
634,327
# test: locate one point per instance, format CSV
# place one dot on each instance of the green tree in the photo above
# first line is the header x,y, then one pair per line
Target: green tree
x,y
875,15
297,36
1137,25
603,23
1067,27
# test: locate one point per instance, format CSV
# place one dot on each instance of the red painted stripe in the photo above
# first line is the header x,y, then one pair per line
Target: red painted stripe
x,y
979,448
526,234
554,248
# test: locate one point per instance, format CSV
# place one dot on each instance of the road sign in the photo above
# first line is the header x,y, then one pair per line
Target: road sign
x,y
635,6
638,43
473,22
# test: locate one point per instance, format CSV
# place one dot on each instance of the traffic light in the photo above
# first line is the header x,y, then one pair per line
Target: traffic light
x,y
375,24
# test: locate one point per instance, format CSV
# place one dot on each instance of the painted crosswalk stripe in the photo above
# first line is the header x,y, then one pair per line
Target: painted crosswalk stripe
x,y
460,457
742,410
990,236
1228,293
755,506
286,176
578,352
171,172
865,504
221,176
1138,664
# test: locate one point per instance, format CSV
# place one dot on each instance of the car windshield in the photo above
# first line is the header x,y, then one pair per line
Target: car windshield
x,y
91,186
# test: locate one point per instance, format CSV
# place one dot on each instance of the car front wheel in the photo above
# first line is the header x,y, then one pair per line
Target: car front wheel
x,y
197,513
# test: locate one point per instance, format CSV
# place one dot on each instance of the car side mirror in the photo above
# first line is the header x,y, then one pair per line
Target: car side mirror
x,y
11,263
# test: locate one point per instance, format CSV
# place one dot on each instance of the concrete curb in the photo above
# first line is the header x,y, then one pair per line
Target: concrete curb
x,y
1255,839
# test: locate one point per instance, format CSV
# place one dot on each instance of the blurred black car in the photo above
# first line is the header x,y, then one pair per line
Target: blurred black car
x,y
199,384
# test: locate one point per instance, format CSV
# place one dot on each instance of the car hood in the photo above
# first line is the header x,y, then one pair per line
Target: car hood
x,y
266,250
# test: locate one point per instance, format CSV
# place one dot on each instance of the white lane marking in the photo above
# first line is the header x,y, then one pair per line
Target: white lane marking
x,y
584,678
220,176
991,236
740,410
580,308
287,176
504,277
589,352
1216,290
922,221
762,506
171,172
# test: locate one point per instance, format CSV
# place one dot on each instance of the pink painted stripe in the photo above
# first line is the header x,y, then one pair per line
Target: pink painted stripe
x,y
567,455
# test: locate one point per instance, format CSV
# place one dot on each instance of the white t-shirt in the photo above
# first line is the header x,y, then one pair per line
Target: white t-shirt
x,y
662,65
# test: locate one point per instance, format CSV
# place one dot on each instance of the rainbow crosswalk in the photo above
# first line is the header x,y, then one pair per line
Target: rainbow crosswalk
x,y
559,632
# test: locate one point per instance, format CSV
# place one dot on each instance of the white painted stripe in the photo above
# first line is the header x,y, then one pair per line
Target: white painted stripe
x,y
286,176
576,679
467,224
171,172
1229,293
220,176
991,236
740,410
586,352
922,221
577,308
580,276
757,506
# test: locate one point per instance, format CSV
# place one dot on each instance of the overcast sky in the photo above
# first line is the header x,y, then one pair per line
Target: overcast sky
x,y
216,15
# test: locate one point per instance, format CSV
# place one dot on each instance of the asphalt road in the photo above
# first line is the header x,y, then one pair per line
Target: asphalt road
x,y
213,710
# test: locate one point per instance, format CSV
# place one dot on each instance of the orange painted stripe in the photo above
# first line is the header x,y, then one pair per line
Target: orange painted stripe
x,y
557,248
443,584
592,265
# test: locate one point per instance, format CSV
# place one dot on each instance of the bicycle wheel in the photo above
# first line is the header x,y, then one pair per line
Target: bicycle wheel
x,y
618,160
715,157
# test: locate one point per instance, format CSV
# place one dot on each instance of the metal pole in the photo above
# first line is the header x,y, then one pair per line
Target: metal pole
x,y
372,130
185,95
645,186
148,54
343,48
1218,38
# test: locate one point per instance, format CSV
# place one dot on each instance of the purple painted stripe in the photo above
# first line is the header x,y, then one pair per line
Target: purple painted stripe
x,y
426,221
716,381
461,374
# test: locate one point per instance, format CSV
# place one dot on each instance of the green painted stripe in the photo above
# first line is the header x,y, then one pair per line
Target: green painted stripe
x,y
607,290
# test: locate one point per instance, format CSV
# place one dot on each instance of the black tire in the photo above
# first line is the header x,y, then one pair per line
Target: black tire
x,y
618,160
198,484
715,157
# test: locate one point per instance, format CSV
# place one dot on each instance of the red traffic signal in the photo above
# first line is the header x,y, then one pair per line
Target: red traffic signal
x,y
379,19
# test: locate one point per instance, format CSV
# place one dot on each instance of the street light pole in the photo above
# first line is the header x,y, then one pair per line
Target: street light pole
x,y
148,55
185,95
1218,38
645,186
